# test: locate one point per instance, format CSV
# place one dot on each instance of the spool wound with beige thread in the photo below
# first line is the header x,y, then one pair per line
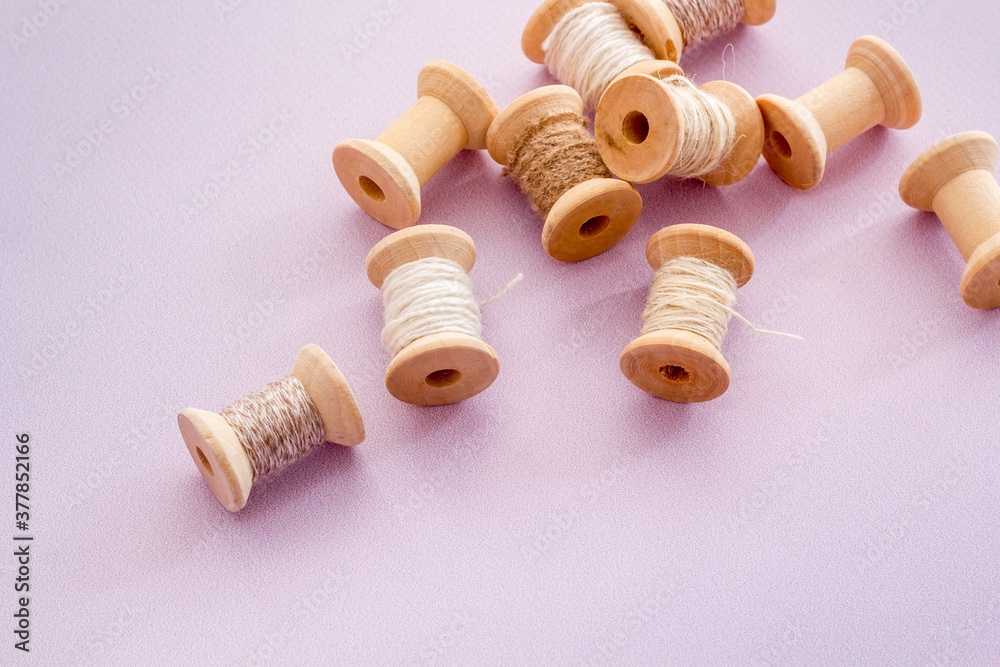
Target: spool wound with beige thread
x,y
652,121
585,44
433,323
543,141
273,427
954,179
384,176
698,269
875,88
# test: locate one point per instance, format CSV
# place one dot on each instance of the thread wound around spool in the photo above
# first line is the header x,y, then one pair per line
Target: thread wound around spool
x,y
651,19
589,217
442,368
680,365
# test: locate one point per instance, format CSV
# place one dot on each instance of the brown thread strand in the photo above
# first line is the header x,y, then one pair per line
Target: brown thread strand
x,y
557,153
700,20
277,424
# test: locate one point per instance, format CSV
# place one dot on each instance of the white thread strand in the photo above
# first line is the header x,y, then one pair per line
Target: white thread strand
x,y
277,424
693,295
701,20
709,129
590,46
428,296
697,296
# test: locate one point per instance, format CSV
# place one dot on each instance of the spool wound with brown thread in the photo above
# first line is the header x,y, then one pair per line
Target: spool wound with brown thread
x,y
542,139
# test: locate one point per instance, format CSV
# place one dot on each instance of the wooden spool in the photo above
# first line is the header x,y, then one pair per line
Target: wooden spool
x,y
954,179
876,88
588,218
221,457
640,129
651,19
443,368
452,113
680,365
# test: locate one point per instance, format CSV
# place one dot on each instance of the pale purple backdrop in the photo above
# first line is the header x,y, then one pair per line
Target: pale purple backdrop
x,y
173,232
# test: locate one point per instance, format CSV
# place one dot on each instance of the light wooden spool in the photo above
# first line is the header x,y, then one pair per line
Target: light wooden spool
x,y
452,113
876,88
954,179
443,368
675,364
591,216
640,129
650,18
221,457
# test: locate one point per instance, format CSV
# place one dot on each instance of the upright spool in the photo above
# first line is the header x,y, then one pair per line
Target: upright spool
x,y
222,458
677,364
440,368
641,131
384,176
588,217
661,30
876,88
954,179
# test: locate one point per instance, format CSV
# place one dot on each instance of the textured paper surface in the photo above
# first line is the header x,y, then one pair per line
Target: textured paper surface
x,y
173,232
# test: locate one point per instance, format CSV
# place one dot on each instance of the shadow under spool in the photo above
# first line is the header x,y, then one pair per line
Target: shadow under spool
x,y
954,179
640,130
876,88
452,112
442,368
222,459
588,217
675,364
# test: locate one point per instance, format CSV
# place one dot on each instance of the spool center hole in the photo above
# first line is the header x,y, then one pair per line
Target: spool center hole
x,y
371,188
780,144
443,378
204,461
675,373
594,226
635,127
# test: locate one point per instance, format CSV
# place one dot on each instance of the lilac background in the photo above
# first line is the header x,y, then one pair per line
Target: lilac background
x,y
837,505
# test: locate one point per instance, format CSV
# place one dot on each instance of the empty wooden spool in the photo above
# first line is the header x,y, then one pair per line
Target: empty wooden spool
x,y
876,88
954,179
588,218
640,127
675,364
384,176
442,368
221,457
